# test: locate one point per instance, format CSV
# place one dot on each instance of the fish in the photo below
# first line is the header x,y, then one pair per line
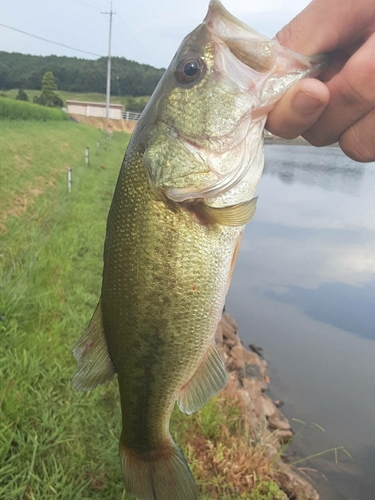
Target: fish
x,y
185,192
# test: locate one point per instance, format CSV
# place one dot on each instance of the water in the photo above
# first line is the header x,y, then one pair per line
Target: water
x,y
304,290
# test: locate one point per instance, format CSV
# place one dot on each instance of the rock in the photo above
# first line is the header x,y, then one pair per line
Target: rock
x,y
247,381
268,406
252,371
263,367
284,436
256,349
232,364
278,421
270,451
254,386
239,353
294,485
258,408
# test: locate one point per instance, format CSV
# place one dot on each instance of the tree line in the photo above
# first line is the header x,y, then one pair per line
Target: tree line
x,y
78,75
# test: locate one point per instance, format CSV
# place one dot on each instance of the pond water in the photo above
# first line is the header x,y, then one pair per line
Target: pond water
x,y
304,290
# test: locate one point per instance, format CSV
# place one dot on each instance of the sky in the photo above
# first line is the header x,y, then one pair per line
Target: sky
x,y
147,31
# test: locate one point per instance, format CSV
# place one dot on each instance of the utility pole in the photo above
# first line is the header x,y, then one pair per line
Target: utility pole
x,y
110,13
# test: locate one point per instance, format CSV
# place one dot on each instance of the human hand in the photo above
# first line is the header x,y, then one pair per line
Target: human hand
x,y
343,107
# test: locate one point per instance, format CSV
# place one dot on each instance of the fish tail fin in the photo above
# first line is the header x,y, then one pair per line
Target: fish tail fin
x,y
158,475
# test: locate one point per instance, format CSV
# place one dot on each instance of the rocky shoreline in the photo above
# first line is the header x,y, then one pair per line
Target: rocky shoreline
x,y
248,379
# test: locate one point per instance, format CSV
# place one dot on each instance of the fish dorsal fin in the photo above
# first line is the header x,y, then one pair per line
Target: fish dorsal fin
x,y
208,380
234,215
94,364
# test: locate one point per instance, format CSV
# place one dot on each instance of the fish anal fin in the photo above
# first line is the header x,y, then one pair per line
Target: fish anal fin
x,y
208,380
234,215
94,364
158,475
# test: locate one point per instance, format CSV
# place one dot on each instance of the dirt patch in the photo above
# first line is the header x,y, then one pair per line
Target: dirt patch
x,y
21,202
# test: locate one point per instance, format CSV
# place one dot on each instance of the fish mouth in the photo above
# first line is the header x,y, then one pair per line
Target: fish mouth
x,y
254,50
243,57
254,72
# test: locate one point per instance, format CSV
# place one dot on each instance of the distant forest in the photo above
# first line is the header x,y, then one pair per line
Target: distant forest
x,y
20,71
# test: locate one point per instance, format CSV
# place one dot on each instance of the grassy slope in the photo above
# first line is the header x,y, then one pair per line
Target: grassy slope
x,y
56,442
11,109
65,95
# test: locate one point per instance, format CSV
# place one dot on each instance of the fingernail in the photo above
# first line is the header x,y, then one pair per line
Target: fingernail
x,y
305,103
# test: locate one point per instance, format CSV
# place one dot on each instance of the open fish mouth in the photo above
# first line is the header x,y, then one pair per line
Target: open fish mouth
x,y
253,49
248,72
243,58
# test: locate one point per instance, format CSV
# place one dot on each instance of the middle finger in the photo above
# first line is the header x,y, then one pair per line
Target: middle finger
x,y
352,96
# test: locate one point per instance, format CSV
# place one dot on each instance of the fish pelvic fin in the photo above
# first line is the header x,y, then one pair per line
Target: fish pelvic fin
x,y
94,364
210,378
158,475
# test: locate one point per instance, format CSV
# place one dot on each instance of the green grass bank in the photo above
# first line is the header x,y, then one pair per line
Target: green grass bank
x,y
126,101
56,442
10,109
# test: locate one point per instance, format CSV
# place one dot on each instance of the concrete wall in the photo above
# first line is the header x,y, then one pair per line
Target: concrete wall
x,y
94,109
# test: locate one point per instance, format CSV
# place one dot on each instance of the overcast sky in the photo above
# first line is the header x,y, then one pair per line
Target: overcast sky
x,y
147,31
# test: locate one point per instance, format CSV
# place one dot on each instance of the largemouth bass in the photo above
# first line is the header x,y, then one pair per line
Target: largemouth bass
x,y
184,193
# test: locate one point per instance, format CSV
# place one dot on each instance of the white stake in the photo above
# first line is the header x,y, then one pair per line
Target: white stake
x,y
70,180
87,156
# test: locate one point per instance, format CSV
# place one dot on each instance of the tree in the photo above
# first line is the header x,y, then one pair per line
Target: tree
x,y
22,96
48,83
136,105
48,96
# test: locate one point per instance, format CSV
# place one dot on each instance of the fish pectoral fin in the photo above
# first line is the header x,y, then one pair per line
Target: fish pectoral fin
x,y
234,215
94,364
210,378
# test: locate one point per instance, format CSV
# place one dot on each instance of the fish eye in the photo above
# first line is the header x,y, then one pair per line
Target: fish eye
x,y
189,70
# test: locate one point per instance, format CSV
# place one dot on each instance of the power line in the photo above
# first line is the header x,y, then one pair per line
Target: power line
x,y
49,41
108,97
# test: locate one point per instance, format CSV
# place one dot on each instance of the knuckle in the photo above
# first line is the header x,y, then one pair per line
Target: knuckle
x,y
357,145
317,138
355,88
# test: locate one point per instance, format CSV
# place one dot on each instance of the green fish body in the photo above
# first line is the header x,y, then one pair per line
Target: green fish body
x,y
184,194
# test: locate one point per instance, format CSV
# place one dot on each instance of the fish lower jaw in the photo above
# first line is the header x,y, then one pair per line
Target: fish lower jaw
x,y
248,161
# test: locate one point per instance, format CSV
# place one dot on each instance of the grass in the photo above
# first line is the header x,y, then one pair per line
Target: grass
x,y
220,449
20,110
75,96
56,442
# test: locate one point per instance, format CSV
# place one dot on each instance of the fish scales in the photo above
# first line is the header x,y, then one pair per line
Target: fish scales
x,y
184,194
164,282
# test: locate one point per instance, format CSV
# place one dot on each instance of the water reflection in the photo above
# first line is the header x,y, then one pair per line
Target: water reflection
x,y
311,168
304,289
347,307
